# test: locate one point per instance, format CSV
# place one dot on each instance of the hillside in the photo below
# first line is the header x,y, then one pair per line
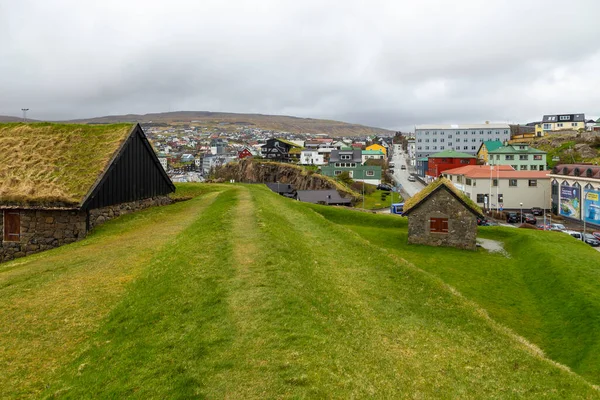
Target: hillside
x,y
240,293
570,147
232,120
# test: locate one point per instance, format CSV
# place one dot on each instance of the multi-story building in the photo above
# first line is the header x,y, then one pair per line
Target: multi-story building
x,y
377,146
560,122
449,159
372,155
431,139
519,156
312,157
502,187
351,161
485,148
576,192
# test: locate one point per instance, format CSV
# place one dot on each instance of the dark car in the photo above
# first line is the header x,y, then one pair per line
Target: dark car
x,y
403,167
513,217
537,211
481,221
384,186
530,219
591,240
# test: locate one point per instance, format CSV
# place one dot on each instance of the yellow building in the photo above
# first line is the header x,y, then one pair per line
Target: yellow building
x,y
488,145
560,122
377,147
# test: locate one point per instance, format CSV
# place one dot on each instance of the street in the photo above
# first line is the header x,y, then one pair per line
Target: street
x,y
401,175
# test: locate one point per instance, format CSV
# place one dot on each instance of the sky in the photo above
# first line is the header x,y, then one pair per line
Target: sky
x,y
389,64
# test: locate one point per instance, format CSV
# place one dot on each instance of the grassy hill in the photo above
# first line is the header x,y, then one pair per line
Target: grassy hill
x,y
241,293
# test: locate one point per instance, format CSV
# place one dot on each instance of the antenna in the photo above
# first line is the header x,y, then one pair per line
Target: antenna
x,y
24,114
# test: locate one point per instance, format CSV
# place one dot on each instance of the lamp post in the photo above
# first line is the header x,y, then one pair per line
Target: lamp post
x,y
24,114
521,204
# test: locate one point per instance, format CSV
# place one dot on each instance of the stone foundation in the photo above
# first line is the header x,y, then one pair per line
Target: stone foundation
x,y
45,229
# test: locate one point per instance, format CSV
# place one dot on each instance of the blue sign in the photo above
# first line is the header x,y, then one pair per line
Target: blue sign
x,y
591,206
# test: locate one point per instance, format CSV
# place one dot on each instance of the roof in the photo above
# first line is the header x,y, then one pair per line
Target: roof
x,y
356,155
440,184
571,118
492,145
583,170
372,153
451,154
289,142
497,172
45,163
512,149
462,126
281,187
329,196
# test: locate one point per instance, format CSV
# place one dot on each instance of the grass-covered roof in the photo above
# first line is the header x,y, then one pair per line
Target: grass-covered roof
x,y
49,164
429,189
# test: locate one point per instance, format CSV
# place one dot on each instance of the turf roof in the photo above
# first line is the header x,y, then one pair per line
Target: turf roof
x,y
429,189
45,164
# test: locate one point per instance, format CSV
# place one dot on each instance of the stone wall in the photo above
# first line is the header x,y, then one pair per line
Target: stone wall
x,y
45,229
42,230
462,223
101,215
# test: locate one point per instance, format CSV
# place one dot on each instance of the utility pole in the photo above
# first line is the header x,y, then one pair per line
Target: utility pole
x,y
24,114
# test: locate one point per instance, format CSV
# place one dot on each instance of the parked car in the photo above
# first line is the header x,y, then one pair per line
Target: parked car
x,y
575,234
411,178
557,227
591,240
543,227
596,235
384,186
403,167
513,217
529,218
481,221
537,211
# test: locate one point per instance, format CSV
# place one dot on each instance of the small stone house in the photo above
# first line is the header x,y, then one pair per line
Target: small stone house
x,y
440,215
59,181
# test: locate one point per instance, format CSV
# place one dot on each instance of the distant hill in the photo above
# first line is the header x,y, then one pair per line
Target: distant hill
x,y
232,120
8,118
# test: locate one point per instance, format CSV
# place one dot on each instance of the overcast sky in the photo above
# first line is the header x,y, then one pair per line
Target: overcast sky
x,y
389,64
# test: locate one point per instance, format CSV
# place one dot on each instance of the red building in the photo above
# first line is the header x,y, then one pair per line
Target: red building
x,y
448,159
244,153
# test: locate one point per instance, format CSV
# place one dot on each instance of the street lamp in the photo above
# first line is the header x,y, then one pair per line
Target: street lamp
x,y
521,204
24,114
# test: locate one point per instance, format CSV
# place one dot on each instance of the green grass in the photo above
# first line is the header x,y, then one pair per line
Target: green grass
x,y
373,200
240,293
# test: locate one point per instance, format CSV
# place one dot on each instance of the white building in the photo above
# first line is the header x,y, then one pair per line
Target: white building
x,y
312,157
431,139
163,162
504,187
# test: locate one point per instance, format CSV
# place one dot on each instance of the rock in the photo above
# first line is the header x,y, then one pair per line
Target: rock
x,y
585,151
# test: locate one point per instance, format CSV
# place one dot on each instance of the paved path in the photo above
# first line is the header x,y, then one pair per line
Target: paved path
x,y
401,176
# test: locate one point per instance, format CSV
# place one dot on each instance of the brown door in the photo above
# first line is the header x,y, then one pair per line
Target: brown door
x,y
12,226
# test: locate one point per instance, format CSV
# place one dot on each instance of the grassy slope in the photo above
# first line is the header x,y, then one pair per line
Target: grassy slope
x,y
548,291
218,297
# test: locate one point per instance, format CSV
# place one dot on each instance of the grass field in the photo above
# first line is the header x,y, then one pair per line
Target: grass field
x,y
240,293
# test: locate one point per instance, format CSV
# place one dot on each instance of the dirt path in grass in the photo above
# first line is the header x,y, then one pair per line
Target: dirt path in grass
x,y
50,303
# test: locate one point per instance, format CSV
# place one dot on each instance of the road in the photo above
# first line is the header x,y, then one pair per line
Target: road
x,y
401,175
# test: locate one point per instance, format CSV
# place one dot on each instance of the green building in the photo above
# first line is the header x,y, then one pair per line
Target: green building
x,y
361,173
519,156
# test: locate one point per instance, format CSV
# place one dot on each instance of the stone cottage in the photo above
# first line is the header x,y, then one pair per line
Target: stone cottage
x,y
59,181
440,215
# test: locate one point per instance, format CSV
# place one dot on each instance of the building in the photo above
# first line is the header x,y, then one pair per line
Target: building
x,y
422,166
245,153
440,215
431,139
312,157
487,146
560,122
59,189
576,192
351,161
501,187
519,156
448,159
372,155
377,146
217,146
278,150
328,197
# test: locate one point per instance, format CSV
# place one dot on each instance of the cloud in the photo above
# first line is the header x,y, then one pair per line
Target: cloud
x,y
384,63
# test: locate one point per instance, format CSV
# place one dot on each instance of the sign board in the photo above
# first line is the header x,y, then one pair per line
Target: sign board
x,y
591,206
570,201
555,158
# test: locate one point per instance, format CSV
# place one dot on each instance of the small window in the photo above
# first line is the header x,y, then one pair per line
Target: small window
x,y
512,182
337,172
523,157
370,173
12,226
480,198
438,225
500,198
495,182
537,157
532,182
468,182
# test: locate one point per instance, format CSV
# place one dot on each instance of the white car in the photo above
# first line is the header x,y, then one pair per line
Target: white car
x,y
557,227
575,234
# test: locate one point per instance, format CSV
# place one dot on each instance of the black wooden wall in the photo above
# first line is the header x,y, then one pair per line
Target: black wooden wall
x,y
135,174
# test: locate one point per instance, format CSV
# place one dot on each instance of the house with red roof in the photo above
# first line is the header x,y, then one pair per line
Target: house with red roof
x,y
445,160
502,187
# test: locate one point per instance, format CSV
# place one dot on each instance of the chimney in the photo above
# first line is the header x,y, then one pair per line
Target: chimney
x,y
487,122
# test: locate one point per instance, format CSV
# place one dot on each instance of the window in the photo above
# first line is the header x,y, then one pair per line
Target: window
x,y
473,147
495,182
434,140
555,189
573,123
465,147
449,136
480,198
464,161
564,118
532,182
337,172
12,226
512,182
523,167
438,225
426,140
344,157
559,125
500,198
523,157
547,127
533,167
468,182
370,173
337,164
537,157
509,157
435,133
497,156
474,140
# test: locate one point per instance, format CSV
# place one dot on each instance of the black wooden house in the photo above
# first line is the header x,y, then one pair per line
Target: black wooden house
x,y
59,181
277,150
